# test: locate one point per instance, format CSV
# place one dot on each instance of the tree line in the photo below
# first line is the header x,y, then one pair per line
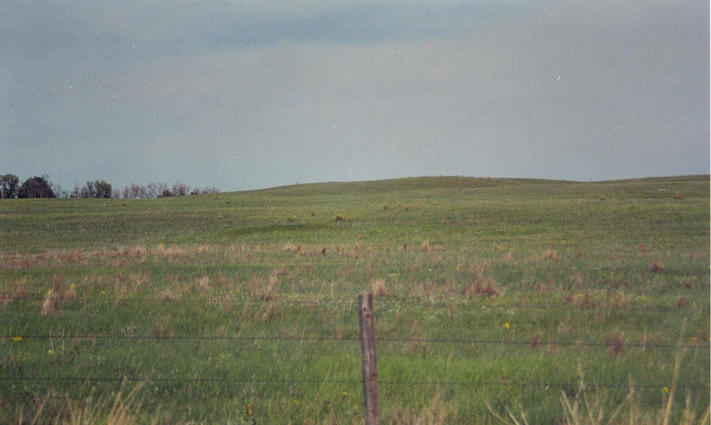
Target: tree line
x,y
42,187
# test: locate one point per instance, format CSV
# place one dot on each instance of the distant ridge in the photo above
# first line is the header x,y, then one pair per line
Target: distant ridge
x,y
453,182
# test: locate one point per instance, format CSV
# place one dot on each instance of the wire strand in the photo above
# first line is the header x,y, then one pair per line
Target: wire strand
x,y
403,301
470,341
287,381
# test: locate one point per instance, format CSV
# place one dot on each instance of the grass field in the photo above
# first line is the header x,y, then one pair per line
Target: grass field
x,y
241,307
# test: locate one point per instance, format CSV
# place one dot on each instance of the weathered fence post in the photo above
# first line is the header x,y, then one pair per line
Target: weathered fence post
x,y
370,366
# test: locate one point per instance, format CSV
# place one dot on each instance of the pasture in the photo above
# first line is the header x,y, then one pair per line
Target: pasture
x,y
491,295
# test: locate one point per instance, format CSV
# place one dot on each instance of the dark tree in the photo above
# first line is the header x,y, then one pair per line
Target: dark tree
x,y
102,189
8,186
36,187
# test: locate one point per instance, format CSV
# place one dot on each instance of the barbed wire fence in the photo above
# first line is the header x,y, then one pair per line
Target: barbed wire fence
x,y
380,340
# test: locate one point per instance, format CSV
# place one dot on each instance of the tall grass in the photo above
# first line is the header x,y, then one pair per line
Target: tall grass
x,y
120,408
586,408
596,409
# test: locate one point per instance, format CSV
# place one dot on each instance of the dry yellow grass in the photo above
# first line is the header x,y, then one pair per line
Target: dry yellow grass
x,y
203,282
120,408
436,412
60,291
379,288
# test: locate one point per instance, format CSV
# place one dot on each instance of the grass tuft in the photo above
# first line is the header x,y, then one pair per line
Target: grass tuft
x,y
616,343
656,267
379,288
118,408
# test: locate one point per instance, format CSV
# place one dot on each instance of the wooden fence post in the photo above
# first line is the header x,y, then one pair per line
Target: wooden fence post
x,y
370,366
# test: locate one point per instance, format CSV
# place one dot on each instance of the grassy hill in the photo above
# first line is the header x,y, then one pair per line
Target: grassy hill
x,y
241,306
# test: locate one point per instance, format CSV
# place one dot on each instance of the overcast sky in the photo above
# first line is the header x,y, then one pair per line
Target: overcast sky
x,y
254,94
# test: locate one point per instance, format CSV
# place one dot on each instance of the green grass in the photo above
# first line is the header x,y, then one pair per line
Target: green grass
x,y
569,265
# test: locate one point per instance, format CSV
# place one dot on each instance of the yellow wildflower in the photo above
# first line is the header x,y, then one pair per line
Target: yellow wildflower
x,y
665,389
17,338
506,325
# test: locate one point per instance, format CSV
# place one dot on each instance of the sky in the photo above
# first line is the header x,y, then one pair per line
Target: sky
x,y
254,94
